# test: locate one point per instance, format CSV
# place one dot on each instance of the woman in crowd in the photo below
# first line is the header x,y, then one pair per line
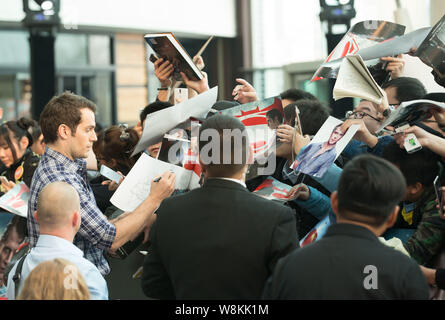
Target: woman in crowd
x,y
113,149
18,159
57,279
38,146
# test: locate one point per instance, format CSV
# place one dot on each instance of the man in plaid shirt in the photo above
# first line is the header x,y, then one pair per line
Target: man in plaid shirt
x,y
67,124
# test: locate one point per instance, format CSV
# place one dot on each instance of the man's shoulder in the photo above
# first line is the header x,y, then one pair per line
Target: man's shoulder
x,y
227,197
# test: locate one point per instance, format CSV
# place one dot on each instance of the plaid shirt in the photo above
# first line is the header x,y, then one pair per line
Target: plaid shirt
x,y
96,234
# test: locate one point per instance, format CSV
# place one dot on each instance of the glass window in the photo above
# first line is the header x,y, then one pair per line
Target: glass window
x,y
24,91
7,101
99,50
14,48
71,50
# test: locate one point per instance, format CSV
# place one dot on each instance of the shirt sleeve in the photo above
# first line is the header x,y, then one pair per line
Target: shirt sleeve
x,y
429,237
94,225
318,204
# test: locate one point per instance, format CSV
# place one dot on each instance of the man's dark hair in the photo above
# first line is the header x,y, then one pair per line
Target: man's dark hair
x,y
63,109
237,131
294,94
224,104
153,107
435,96
421,166
312,115
369,189
275,115
407,88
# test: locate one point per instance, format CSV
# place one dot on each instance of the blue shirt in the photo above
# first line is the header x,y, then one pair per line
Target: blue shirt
x,y
96,233
52,247
311,163
355,147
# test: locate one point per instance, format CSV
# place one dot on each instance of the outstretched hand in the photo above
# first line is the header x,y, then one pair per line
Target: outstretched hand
x,y
244,92
199,86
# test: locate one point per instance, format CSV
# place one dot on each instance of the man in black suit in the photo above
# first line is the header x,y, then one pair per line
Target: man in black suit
x,y
349,262
219,241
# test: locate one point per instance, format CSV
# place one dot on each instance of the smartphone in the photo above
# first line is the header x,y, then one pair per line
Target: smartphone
x,y
438,194
153,58
110,174
411,143
181,94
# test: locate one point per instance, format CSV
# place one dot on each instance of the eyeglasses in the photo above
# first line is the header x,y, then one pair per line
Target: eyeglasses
x,y
359,115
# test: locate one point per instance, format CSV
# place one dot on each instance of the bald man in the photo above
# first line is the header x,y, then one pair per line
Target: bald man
x,y
58,215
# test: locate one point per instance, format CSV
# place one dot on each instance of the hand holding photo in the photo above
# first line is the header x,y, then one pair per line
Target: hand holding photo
x,y
324,148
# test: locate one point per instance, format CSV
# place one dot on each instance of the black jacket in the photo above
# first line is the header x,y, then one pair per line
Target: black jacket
x,y
349,262
29,162
216,242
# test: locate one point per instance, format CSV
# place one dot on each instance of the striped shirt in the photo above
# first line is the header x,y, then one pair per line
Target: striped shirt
x,y
96,234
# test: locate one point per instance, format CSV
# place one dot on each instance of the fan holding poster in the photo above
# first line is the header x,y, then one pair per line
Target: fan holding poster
x,y
260,118
325,147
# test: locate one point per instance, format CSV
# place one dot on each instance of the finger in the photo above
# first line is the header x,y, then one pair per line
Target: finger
x,y
158,62
244,82
106,182
112,185
184,77
166,73
165,64
236,89
166,70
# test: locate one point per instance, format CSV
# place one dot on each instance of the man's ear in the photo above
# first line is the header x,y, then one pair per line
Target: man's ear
x,y
334,203
76,219
64,132
414,189
35,216
392,217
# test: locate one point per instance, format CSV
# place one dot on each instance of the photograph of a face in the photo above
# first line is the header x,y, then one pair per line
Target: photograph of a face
x,y
325,147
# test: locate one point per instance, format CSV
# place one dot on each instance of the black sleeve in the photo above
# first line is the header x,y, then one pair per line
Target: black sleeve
x,y
440,278
284,237
155,281
416,287
29,167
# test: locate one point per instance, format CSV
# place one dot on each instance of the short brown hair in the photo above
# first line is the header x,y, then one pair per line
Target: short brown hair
x,y
63,109
47,282
230,129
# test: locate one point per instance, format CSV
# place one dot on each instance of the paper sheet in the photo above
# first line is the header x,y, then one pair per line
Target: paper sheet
x,y
136,186
159,123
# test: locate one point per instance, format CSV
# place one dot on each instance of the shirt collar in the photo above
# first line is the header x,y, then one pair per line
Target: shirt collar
x,y
76,165
53,242
233,180
350,229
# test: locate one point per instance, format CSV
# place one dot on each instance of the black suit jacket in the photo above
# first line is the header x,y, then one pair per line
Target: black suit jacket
x,y
335,268
216,242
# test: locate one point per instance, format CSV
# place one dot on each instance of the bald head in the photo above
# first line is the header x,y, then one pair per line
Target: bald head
x,y
56,204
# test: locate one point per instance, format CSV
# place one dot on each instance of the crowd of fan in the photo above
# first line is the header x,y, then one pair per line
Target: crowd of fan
x,y
221,241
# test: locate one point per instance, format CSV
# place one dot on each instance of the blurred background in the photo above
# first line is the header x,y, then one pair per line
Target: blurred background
x,y
96,48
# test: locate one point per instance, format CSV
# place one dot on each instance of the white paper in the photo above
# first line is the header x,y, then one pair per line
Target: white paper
x,y
159,123
355,80
16,200
136,186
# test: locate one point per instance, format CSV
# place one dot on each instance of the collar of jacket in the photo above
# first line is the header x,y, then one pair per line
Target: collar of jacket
x,y
351,230
222,183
